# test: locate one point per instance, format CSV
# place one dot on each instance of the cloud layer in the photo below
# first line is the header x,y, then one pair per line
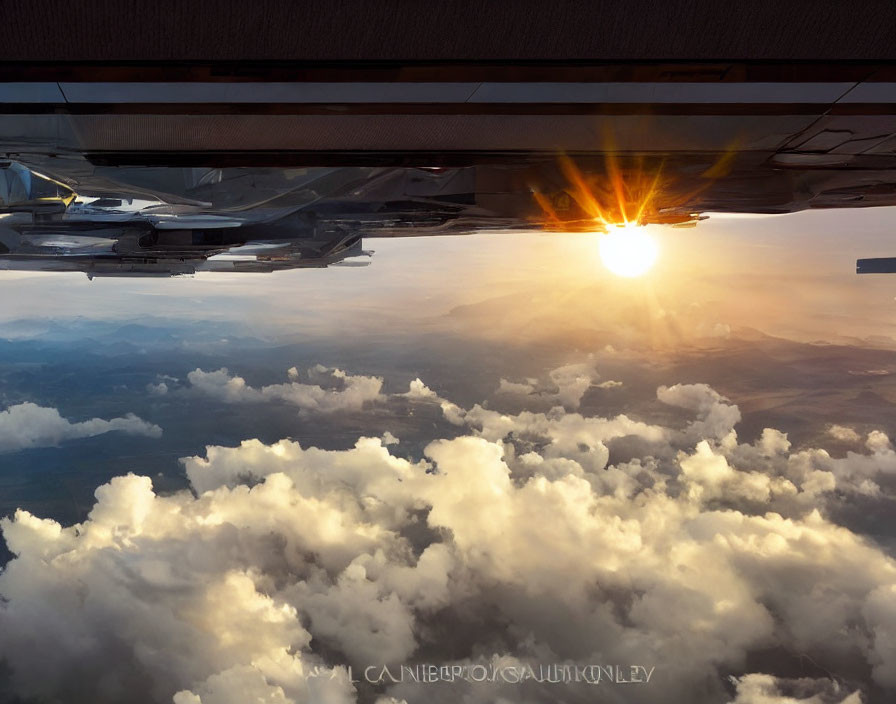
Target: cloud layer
x,y
549,537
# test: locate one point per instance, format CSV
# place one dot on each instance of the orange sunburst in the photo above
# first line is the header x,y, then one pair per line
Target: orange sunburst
x,y
637,194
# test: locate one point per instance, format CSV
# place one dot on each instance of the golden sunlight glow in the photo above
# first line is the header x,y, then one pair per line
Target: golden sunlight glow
x,y
628,250
615,198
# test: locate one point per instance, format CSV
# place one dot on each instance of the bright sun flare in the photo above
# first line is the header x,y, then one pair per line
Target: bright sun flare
x,y
628,250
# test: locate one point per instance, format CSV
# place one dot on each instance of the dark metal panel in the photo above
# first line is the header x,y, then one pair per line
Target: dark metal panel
x,y
448,30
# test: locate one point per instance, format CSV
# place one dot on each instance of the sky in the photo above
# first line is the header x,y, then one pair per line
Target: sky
x,y
791,274
485,454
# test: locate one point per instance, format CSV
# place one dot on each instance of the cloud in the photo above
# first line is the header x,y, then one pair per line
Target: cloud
x,y
878,442
389,439
766,689
518,541
572,381
159,389
565,385
139,597
716,415
511,387
843,433
556,434
418,391
342,393
28,425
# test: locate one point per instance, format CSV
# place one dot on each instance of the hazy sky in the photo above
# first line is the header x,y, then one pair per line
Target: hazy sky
x,y
792,275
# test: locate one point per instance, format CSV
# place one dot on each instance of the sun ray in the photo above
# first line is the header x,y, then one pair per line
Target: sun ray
x,y
581,193
646,200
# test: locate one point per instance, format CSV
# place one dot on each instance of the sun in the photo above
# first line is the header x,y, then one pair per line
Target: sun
x,y
627,250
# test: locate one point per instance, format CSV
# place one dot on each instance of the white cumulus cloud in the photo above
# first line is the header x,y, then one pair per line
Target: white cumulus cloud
x,y
342,393
517,542
28,425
